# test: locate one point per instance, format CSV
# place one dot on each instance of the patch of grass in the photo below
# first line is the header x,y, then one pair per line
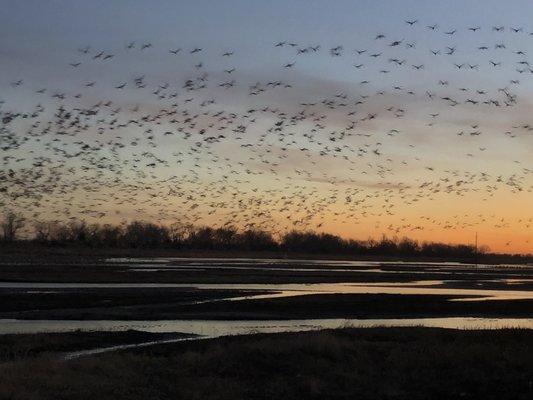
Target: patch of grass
x,y
22,346
377,363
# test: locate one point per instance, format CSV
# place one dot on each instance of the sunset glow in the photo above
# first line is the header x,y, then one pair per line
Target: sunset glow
x,y
311,117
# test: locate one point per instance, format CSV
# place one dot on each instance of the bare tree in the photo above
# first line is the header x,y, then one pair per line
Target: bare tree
x,y
43,230
11,224
179,232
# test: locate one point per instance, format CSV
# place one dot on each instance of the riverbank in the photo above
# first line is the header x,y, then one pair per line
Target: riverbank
x,y
399,363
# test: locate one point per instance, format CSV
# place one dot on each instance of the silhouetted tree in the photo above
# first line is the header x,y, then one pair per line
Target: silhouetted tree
x,y
11,224
145,234
253,239
186,236
408,246
43,230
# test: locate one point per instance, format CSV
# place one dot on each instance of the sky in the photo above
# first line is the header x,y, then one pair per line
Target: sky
x,y
379,151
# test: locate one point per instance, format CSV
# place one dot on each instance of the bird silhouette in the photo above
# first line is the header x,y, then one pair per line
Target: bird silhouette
x,y
366,130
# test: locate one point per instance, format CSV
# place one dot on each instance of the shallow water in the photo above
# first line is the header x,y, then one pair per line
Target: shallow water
x,y
224,328
428,287
285,261
509,275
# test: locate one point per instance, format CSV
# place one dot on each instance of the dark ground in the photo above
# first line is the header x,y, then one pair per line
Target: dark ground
x,y
25,346
375,363
145,303
300,307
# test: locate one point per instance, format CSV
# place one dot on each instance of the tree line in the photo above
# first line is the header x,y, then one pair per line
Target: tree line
x,y
140,234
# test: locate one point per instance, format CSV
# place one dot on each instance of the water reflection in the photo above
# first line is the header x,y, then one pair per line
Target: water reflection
x,y
506,278
224,328
428,287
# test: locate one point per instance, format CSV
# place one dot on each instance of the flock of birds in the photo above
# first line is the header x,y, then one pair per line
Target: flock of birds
x,y
408,128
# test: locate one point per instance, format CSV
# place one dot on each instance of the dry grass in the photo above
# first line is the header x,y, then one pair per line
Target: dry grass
x,y
22,346
380,363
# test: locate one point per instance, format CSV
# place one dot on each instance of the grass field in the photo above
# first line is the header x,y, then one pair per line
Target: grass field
x,y
376,363
17,347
